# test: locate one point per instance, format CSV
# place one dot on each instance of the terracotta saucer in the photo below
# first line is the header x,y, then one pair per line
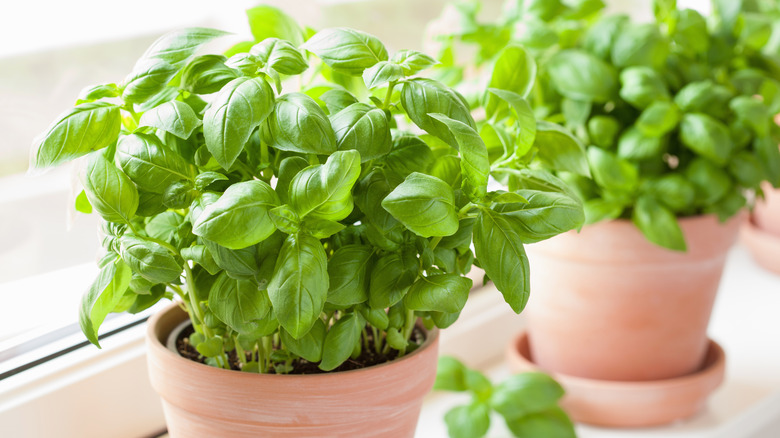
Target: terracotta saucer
x,y
763,246
629,404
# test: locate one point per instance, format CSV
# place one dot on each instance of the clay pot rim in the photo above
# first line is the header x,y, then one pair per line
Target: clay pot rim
x,y
154,342
715,362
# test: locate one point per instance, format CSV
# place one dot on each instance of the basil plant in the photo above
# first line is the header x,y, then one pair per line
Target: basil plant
x,y
306,199
676,114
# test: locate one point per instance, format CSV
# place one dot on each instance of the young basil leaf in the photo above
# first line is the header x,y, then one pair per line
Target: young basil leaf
x,y
348,272
340,341
179,195
474,157
753,112
175,117
500,252
710,181
658,119
376,317
239,263
325,191
421,97
611,172
412,61
238,303
468,421
347,50
310,345
673,190
363,128
642,86
97,92
111,193
553,423
690,32
240,217
178,46
270,22
206,74
641,44
579,75
658,224
149,260
597,210
165,226
600,37
83,129
525,119
149,164
515,71
381,73
299,286
150,204
424,204
102,297
336,100
408,154
636,145
440,293
560,150
82,204
450,375
525,394
706,136
280,55
202,256
148,80
543,215
205,179
285,219
747,169
391,278
239,108
704,97
289,167
298,124
603,130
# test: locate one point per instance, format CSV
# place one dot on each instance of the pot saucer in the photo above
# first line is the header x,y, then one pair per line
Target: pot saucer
x,y
763,246
629,404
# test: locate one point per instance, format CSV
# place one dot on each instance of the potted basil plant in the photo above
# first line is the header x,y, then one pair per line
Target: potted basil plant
x,y
676,115
309,203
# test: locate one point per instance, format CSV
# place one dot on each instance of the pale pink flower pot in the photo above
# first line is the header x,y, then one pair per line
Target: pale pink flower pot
x,y
761,234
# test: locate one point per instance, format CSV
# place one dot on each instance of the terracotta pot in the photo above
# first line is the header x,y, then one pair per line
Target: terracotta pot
x,y
607,304
203,401
761,234
630,404
766,215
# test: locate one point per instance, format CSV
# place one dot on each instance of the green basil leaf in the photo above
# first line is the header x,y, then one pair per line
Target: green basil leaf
x,y
747,169
412,61
97,92
310,345
336,100
149,164
673,190
421,97
175,117
82,204
325,191
474,157
543,215
525,120
270,22
525,394
560,150
148,80
440,293
658,119
102,297
391,278
468,421
710,181
597,210
165,226
347,50
205,179
514,70
111,193
202,256
601,35
424,204
581,76
376,317
83,129
240,217
603,130
640,44
690,32
552,423
363,128
642,86
500,252
408,154
239,108
149,260
704,97
298,124
280,55
206,74
381,73
285,219
611,172
767,151
238,303
753,112
340,341
658,224
348,272
178,46
239,263
636,145
706,136
299,286
289,167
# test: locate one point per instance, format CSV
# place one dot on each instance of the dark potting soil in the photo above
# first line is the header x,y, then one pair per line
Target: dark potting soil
x,y
367,358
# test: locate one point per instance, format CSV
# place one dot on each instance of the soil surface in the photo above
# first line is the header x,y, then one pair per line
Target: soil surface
x,y
367,358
